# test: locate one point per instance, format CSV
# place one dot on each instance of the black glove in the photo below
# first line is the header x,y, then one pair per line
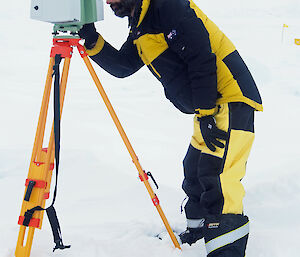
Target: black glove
x,y
89,33
211,133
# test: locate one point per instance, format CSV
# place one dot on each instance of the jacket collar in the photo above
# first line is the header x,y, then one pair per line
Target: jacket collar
x,y
144,9
139,13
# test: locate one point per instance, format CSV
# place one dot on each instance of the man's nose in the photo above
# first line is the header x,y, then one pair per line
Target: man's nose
x,y
108,1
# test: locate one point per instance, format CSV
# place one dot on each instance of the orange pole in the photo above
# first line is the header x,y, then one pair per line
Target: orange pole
x,y
21,249
43,113
129,148
24,250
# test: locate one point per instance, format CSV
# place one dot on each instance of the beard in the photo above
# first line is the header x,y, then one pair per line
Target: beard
x,y
123,8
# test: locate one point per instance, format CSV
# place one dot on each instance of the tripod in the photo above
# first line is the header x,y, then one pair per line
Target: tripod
x,y
42,160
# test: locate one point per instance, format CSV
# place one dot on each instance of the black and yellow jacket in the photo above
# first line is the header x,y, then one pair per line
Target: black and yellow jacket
x,y
196,63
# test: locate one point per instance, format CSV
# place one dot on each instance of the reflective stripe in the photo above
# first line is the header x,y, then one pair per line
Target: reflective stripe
x,y
227,238
195,223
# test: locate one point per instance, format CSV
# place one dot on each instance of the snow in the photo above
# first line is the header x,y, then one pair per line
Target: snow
x,y
104,209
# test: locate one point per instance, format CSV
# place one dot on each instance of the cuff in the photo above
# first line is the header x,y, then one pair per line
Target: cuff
x,y
195,223
206,112
97,48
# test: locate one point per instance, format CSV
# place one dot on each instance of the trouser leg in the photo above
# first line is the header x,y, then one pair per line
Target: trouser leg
x,y
226,235
194,210
220,173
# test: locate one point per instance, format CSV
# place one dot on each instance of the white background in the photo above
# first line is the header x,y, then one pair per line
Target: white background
x,y
104,209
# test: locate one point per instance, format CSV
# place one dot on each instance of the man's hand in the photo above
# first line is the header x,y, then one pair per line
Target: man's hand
x,y
211,133
89,33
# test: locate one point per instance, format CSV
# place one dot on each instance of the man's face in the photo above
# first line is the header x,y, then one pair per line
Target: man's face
x,y
121,8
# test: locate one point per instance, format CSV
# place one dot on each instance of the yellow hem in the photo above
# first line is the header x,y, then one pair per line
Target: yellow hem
x,y
243,99
204,112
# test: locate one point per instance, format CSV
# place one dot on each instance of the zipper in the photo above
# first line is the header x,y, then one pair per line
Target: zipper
x,y
145,60
154,70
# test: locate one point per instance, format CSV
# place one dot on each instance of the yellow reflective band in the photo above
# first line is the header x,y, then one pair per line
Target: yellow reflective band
x,y
97,48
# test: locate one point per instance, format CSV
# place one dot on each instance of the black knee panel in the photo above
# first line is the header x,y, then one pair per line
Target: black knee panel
x,y
191,185
209,177
226,235
190,162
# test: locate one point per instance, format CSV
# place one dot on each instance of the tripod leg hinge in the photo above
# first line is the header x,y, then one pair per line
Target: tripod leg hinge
x,y
31,183
64,50
45,149
145,175
46,195
38,183
41,163
30,186
155,201
82,51
32,222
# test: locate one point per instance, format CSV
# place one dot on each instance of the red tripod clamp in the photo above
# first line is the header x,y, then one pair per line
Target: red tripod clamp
x,y
64,47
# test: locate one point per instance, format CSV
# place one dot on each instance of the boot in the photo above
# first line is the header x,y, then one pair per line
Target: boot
x,y
226,235
193,232
191,235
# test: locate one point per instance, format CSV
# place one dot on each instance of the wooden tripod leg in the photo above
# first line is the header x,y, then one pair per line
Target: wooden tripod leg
x,y
21,250
43,113
41,166
130,149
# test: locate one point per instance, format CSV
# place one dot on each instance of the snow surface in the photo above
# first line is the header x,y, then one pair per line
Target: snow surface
x,y
104,209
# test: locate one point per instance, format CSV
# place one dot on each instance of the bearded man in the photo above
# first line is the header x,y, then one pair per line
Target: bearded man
x,y
203,75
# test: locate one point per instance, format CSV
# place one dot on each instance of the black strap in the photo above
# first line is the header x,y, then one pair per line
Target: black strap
x,y
56,75
181,207
30,187
51,213
28,215
151,176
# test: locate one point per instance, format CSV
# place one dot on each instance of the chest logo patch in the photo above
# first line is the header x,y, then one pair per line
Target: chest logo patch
x,y
172,34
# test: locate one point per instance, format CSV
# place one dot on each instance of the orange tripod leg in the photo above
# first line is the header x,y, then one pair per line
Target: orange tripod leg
x,y
142,173
22,250
43,112
41,167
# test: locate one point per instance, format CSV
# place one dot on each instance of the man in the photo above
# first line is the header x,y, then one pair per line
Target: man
x,y
202,74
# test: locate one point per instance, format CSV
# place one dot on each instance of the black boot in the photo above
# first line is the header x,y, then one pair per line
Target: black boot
x,y
226,235
191,235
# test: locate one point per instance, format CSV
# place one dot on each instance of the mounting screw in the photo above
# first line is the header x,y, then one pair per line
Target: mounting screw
x,y
36,7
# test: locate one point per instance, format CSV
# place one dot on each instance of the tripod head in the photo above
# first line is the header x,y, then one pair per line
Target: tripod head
x,y
67,15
